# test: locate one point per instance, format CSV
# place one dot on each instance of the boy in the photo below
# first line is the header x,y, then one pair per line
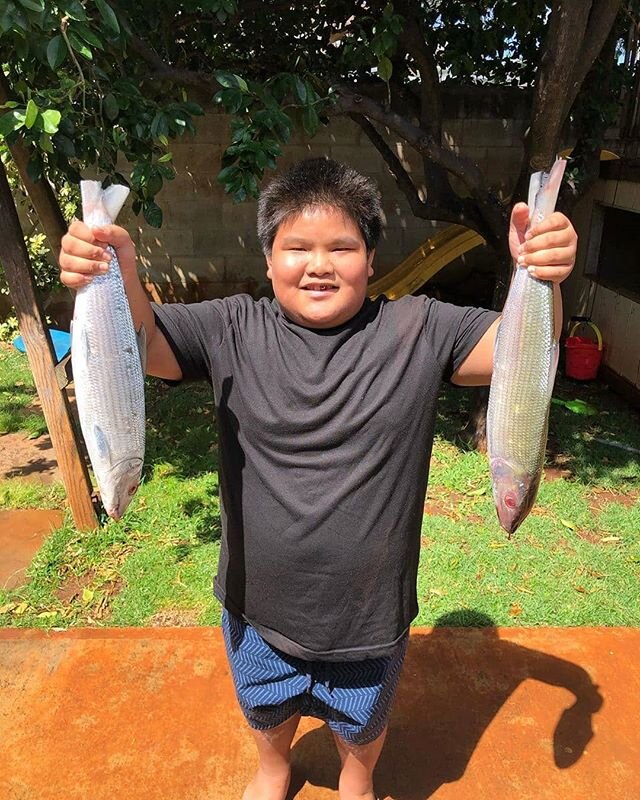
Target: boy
x,y
325,404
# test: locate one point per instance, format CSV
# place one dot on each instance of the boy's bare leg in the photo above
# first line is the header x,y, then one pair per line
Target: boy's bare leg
x,y
358,763
271,781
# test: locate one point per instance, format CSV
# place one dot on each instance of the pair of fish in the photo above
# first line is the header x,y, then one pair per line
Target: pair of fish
x,y
524,368
108,360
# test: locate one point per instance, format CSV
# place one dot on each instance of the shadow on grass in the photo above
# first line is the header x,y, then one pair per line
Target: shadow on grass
x,y
571,442
208,529
455,681
181,428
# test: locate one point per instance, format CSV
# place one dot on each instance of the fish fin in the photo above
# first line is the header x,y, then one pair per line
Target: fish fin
x,y
534,186
550,187
141,337
113,199
99,203
91,194
104,451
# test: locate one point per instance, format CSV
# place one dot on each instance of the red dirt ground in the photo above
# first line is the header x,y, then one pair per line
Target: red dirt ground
x,y
150,714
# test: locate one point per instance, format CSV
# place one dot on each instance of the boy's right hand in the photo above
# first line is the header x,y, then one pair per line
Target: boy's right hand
x,y
83,253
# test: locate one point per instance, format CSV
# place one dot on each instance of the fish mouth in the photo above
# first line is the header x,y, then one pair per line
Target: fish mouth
x,y
514,493
125,479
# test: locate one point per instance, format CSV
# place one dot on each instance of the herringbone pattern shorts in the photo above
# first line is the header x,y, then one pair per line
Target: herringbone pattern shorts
x,y
353,697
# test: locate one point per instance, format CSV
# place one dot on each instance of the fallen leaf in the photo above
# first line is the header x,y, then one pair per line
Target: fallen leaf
x,y
568,524
45,614
7,607
498,545
515,609
477,492
21,608
610,539
87,595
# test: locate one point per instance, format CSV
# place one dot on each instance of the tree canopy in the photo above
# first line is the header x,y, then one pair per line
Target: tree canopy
x,y
86,82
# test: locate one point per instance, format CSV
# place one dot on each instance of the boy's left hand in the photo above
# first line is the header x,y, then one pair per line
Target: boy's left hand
x,y
548,249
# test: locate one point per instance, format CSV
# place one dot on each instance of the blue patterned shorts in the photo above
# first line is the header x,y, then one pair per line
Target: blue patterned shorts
x,y
353,697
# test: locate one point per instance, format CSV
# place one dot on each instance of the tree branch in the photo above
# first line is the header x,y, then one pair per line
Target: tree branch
x,y
456,211
601,19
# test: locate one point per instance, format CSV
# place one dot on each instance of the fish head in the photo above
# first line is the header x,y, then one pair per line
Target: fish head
x,y
119,486
514,492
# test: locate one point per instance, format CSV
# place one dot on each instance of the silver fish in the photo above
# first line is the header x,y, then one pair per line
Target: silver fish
x,y
108,361
524,368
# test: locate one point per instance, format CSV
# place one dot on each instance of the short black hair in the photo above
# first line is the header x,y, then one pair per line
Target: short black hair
x,y
315,182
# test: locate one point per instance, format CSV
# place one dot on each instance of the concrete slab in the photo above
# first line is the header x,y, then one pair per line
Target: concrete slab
x,y
483,714
22,532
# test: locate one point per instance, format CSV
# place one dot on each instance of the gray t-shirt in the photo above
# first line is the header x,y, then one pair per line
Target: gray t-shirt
x,y
325,437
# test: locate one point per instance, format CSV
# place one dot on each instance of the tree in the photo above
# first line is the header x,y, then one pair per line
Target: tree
x,y
85,82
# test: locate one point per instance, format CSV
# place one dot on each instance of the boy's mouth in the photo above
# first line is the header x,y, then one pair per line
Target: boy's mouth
x,y
319,287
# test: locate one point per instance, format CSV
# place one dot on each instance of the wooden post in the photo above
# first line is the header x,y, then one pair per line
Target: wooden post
x,y
15,260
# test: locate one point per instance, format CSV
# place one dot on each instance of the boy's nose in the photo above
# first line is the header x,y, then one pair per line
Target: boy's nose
x,y
319,264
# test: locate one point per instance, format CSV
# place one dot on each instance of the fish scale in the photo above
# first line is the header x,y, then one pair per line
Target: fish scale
x,y
524,367
108,367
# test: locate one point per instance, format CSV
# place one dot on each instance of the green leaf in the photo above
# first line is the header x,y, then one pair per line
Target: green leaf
x,y
227,173
45,143
75,10
79,46
32,114
12,121
110,106
108,15
164,158
230,81
385,68
152,213
310,120
51,120
56,52
88,35
568,524
33,5
301,89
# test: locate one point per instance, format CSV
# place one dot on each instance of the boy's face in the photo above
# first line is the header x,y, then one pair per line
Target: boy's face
x,y
320,268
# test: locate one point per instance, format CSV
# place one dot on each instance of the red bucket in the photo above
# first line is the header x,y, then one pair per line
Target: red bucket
x,y
582,355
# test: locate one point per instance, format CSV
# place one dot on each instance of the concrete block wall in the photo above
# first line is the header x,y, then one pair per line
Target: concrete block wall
x,y
208,247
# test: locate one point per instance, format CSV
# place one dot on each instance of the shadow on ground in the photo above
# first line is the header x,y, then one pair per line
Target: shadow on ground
x,y
437,724
571,442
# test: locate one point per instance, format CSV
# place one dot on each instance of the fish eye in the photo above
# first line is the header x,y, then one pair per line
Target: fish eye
x,y
510,500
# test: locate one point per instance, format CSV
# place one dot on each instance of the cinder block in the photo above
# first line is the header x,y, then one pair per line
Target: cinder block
x,y
240,268
213,127
188,268
239,216
154,243
363,158
606,192
488,132
193,214
226,242
628,196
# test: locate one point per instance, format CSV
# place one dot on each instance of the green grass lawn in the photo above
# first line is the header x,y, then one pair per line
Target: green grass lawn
x,y
575,560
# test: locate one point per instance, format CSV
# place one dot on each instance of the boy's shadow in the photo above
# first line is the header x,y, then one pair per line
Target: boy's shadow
x,y
454,682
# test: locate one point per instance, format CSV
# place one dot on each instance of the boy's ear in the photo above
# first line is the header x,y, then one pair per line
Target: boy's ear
x,y
370,258
268,259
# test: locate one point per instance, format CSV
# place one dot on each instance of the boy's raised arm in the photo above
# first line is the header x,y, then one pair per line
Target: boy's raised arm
x,y
83,256
548,251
